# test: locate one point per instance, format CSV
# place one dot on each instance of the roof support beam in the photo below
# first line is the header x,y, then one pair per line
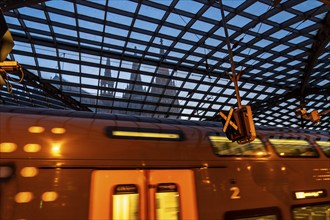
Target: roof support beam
x,y
53,92
321,40
7,5
275,100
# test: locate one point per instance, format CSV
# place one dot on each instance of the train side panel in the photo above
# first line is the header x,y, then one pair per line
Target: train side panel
x,y
55,167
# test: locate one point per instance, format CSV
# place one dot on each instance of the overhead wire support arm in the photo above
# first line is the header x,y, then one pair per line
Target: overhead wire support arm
x,y
234,77
242,129
228,121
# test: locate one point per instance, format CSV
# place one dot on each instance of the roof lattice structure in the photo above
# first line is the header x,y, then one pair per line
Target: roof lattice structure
x,y
169,58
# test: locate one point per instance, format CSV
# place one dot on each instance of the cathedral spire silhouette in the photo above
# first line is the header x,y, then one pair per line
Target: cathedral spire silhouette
x,y
108,83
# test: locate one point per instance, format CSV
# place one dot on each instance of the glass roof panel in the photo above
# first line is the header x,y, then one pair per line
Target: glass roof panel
x,y
139,36
90,25
239,21
261,28
12,20
306,6
124,5
302,25
213,13
151,12
91,12
298,40
63,5
65,31
144,53
258,8
281,17
202,26
233,4
36,25
163,2
116,31
101,2
178,19
33,12
62,19
144,25
189,6
120,19
169,31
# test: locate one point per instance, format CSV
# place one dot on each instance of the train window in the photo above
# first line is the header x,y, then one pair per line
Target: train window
x,y
125,202
224,147
293,148
167,201
325,147
311,212
144,134
271,213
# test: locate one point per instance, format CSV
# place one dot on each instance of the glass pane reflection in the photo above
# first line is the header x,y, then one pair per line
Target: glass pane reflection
x,y
167,202
125,203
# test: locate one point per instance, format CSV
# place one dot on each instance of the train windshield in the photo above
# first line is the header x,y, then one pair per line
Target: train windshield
x,y
293,148
325,147
320,211
224,147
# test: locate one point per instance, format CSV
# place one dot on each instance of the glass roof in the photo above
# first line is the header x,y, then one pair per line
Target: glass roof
x,y
170,59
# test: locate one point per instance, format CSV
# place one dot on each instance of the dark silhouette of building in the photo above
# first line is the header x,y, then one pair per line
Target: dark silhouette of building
x,y
161,94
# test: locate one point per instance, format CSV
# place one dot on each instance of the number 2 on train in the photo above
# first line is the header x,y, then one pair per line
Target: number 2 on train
x,y
235,193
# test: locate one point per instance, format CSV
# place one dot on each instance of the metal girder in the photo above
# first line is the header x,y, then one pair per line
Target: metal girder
x,y
7,5
54,92
321,40
275,100
259,106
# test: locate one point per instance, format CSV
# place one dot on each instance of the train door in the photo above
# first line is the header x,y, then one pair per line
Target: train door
x,y
142,194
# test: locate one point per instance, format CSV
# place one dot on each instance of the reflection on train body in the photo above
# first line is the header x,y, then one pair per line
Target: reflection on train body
x,y
148,194
69,165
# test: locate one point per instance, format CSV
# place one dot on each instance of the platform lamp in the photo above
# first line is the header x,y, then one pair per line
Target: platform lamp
x,y
6,40
6,45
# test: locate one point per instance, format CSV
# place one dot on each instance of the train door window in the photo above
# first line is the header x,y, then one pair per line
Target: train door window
x,y
293,148
271,213
125,202
142,194
167,201
325,147
224,147
312,212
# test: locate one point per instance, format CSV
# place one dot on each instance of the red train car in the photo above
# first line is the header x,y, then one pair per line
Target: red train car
x,y
74,165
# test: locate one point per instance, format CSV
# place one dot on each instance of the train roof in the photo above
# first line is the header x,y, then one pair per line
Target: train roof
x,y
134,118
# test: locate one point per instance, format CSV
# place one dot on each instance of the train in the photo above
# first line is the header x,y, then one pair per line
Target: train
x,y
63,164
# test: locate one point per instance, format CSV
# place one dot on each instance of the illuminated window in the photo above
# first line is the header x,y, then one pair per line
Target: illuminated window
x,y
325,147
144,134
36,129
167,202
310,194
125,202
319,211
7,147
23,197
293,148
224,147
